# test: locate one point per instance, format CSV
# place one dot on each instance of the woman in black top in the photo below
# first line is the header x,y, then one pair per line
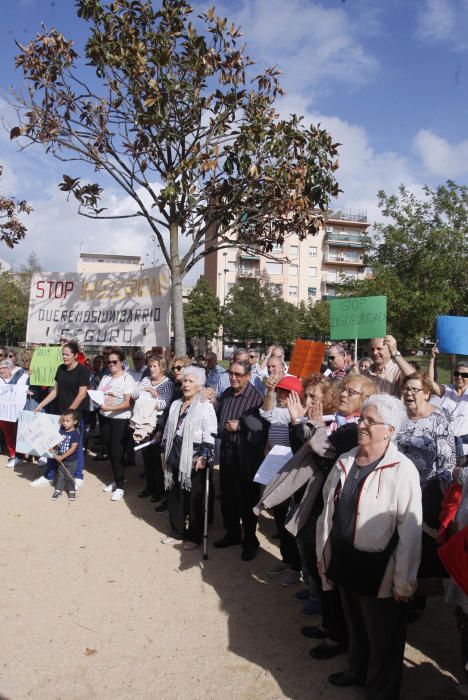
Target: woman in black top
x,y
70,390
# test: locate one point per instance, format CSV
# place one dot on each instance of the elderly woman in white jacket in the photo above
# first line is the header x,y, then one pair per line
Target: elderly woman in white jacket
x,y
369,544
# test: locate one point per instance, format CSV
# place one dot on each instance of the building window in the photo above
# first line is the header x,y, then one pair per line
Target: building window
x,y
232,266
277,248
294,250
312,272
292,291
274,268
275,289
293,270
313,251
229,286
311,292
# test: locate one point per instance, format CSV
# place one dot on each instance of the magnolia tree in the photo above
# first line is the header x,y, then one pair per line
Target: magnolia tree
x,y
12,230
170,108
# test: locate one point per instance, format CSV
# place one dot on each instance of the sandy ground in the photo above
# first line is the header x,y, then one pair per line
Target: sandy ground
x,y
94,606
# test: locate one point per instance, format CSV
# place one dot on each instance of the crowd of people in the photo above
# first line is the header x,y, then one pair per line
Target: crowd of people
x,y
370,506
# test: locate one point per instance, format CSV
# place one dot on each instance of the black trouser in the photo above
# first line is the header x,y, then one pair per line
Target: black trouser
x,y
288,545
462,627
183,503
239,495
154,474
114,436
377,635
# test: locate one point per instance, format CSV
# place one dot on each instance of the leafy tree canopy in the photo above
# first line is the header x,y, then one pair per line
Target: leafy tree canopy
x,y
202,311
12,230
419,259
175,116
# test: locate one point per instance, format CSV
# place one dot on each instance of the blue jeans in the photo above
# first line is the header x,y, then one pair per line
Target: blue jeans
x,y
51,463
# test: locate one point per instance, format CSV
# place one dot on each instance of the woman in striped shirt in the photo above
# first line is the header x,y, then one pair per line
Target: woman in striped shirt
x,y
160,388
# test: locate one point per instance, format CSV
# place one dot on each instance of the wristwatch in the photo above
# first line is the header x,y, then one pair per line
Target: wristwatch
x,y
397,353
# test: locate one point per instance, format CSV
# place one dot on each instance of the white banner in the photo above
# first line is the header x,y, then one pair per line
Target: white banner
x,y
26,419
12,400
114,308
42,435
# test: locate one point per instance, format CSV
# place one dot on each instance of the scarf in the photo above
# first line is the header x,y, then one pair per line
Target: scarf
x,y
186,454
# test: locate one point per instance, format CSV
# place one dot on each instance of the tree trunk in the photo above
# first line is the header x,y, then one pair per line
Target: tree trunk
x,y
180,346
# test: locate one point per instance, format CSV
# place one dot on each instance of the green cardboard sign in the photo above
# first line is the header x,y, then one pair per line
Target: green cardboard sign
x,y
358,317
44,365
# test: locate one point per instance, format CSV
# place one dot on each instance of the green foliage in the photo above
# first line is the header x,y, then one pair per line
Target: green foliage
x,y
202,312
314,319
252,312
175,116
419,260
14,314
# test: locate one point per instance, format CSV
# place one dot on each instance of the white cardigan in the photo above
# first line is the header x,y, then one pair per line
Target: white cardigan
x,y
390,497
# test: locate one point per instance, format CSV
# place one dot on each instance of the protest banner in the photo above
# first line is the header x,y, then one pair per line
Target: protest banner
x,y
25,420
12,400
358,318
115,308
306,357
42,434
44,363
452,334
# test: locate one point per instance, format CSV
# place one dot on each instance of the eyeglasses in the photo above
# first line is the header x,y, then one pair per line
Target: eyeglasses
x,y
178,367
332,357
370,422
113,362
460,374
252,355
412,389
238,375
2,354
350,392
10,355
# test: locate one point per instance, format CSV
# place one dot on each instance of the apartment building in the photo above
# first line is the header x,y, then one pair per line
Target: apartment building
x,y
298,270
107,262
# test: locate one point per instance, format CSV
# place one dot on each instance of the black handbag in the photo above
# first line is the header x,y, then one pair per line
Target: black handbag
x,y
356,570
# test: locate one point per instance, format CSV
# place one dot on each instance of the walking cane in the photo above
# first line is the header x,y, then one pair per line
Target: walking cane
x,y
205,524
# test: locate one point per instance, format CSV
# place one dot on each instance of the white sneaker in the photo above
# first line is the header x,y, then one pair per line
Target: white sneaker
x,y
117,495
78,484
110,487
11,464
170,540
41,481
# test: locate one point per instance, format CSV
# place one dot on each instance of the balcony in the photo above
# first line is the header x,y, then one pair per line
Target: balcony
x,y
248,272
342,260
352,240
358,217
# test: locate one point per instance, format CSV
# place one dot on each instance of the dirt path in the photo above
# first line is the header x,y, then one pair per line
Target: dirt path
x,y
94,606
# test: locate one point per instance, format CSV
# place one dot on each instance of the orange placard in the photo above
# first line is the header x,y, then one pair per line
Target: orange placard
x,y
306,357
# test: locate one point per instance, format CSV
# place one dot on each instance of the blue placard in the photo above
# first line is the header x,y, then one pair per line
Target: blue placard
x,y
452,334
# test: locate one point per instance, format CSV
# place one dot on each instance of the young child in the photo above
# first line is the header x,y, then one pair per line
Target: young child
x,y
66,455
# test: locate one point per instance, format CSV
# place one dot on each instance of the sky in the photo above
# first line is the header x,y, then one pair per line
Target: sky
x,y
387,78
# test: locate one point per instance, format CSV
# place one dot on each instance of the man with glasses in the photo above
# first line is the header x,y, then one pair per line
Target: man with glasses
x,y
388,365
223,382
337,362
139,366
213,370
242,445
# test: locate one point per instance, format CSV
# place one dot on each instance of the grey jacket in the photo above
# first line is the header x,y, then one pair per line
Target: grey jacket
x,y
302,469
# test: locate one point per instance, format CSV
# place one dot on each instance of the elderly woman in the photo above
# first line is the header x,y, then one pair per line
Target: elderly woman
x,y
160,389
8,428
454,401
188,445
369,544
426,438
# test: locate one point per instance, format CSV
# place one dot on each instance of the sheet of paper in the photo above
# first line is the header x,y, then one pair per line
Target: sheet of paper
x,y
97,396
278,456
42,435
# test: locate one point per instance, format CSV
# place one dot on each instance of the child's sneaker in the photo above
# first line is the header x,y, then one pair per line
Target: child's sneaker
x,y
56,494
71,495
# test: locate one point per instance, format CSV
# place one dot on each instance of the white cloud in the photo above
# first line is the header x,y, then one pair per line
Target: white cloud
x,y
443,21
314,46
440,157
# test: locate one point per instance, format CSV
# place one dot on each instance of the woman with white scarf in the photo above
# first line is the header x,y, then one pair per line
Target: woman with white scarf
x,y
187,444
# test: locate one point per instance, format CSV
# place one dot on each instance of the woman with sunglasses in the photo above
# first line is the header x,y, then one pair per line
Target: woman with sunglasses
x,y
454,401
427,440
115,413
177,367
369,543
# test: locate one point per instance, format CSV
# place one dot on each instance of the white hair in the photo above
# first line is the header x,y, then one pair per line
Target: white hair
x,y
8,363
197,372
389,409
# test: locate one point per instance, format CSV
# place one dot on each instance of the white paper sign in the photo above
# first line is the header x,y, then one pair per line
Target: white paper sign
x,y
112,308
12,400
277,457
25,420
97,396
42,435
